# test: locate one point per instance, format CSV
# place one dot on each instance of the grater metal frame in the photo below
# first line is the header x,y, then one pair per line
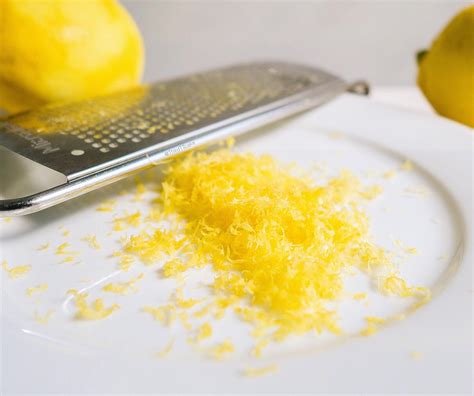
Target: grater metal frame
x,y
313,88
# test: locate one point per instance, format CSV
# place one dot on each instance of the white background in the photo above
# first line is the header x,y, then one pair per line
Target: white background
x,y
374,39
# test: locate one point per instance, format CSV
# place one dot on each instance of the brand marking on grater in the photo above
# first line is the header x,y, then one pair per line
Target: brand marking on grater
x,y
37,142
179,148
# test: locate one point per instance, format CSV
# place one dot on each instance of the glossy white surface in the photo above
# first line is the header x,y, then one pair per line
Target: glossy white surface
x,y
116,355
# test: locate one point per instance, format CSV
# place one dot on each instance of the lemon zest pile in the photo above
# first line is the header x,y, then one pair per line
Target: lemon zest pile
x,y
36,289
123,287
93,311
16,272
279,244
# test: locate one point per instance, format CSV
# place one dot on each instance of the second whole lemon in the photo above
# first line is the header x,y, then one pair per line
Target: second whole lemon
x,y
446,70
53,50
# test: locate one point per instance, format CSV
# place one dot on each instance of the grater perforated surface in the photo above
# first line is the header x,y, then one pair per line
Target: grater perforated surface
x,y
96,133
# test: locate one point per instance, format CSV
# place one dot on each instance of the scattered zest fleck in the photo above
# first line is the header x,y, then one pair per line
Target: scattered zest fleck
x,y
36,289
92,241
16,272
43,319
220,351
259,371
93,311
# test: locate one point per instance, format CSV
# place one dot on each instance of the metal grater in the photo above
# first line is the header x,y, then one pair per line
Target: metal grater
x,y
61,151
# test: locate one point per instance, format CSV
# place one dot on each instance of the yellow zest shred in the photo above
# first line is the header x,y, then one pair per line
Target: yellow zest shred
x,y
205,331
359,296
259,371
373,323
390,174
407,165
259,347
123,287
393,284
335,135
122,223
221,350
416,355
167,349
125,260
43,319
16,272
152,247
411,250
36,289
174,267
93,311
106,206
140,189
62,250
7,219
92,241
66,233
165,314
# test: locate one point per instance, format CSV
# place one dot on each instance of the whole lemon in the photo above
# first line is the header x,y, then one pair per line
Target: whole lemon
x,y
446,71
54,50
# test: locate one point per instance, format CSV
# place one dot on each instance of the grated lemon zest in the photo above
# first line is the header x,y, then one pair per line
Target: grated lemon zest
x,y
92,241
36,289
16,272
205,331
390,174
94,311
123,287
167,349
43,319
278,244
373,323
220,351
259,371
411,250
407,165
359,296
62,249
106,206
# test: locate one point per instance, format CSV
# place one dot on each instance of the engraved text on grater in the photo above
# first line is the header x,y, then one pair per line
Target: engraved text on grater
x,y
37,142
